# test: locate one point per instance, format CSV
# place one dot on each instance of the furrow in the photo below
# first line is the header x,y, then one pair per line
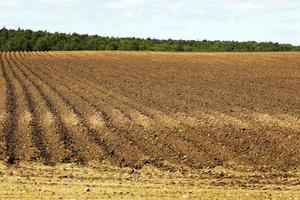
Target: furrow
x,y
116,140
72,121
43,121
3,114
214,108
266,155
172,124
28,147
10,123
185,152
56,137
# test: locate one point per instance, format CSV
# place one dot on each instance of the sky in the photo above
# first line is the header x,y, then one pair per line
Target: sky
x,y
240,20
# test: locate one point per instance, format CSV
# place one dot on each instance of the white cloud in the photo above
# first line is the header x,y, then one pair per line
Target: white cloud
x,y
256,5
16,3
172,6
60,1
124,4
11,3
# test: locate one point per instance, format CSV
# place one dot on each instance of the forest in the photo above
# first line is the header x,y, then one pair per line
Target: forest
x,y
28,40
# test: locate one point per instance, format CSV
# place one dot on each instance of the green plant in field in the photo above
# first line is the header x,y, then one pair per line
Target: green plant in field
x,y
177,130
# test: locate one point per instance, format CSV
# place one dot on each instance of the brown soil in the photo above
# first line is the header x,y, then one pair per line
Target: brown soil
x,y
240,111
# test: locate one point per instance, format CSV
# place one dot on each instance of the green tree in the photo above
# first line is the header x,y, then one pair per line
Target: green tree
x,y
42,44
27,40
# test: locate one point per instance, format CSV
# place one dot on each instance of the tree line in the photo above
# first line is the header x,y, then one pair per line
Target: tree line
x,y
28,40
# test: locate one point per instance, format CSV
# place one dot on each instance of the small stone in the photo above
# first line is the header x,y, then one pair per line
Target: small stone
x,y
131,171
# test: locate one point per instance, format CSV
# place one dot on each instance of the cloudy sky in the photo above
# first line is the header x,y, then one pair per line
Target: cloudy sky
x,y
242,20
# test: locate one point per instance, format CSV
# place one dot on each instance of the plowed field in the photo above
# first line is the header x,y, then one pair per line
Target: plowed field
x,y
171,111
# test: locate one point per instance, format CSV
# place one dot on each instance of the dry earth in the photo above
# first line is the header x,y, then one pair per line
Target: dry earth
x,y
103,181
180,116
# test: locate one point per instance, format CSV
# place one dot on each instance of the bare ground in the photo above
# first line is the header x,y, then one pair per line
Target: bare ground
x,y
103,181
175,119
